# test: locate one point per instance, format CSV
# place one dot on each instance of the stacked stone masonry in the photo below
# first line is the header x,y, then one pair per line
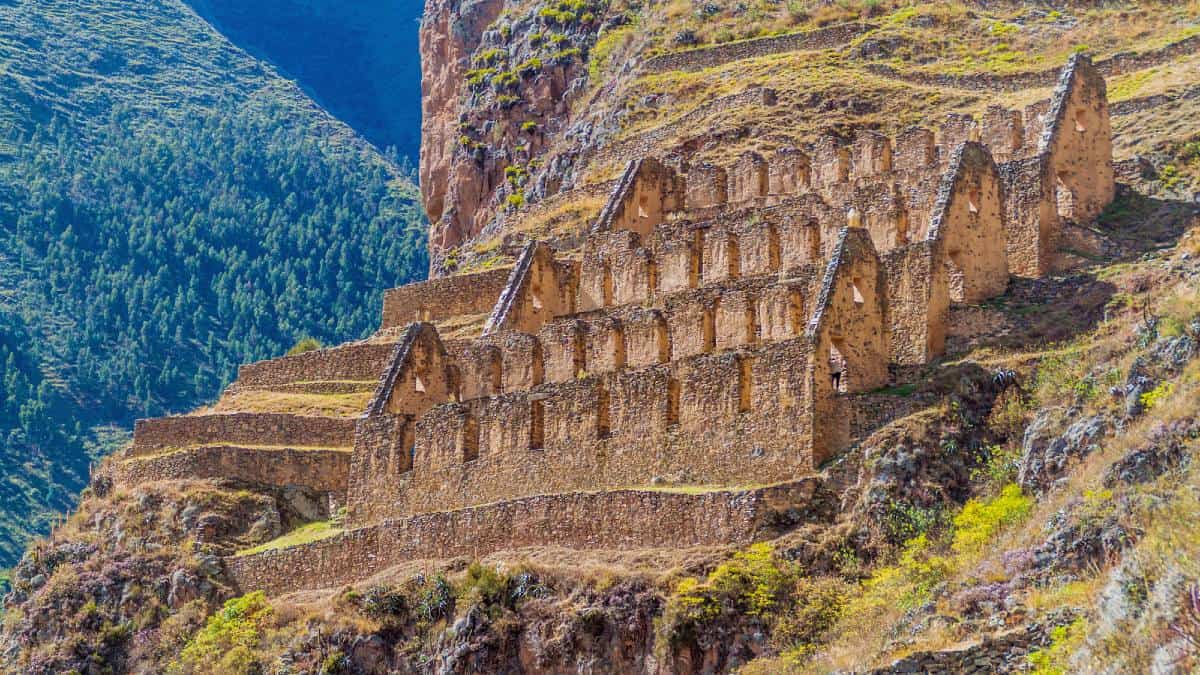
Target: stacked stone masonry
x,y
714,328
648,519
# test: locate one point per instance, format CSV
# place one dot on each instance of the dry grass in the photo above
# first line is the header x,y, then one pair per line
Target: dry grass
x,y
304,534
323,405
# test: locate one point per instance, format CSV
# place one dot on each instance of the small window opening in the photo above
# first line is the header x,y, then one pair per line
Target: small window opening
x,y
618,346
796,312
837,366
603,423
697,258
1080,122
418,384
537,365
745,384
408,450
708,329
537,425
773,249
751,319
470,439
813,238
673,392
579,355
496,372
606,291
856,284
662,335
735,257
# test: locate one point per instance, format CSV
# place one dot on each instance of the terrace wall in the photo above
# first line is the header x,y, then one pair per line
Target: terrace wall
x,y
353,362
259,429
443,298
321,470
631,520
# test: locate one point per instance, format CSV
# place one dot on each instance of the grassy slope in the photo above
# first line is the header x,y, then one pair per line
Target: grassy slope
x,y
170,207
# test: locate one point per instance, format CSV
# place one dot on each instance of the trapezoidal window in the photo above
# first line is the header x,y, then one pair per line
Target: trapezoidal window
x,y
662,335
673,393
618,346
603,421
407,450
579,354
774,249
795,311
837,365
751,322
735,257
708,329
857,285
973,200
537,425
418,384
1080,122
470,439
495,366
1064,197
745,384
697,258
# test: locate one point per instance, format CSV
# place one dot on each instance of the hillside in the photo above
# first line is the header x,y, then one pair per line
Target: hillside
x,y
359,60
799,337
170,207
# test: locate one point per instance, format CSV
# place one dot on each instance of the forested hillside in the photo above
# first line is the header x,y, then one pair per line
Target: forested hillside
x,y
358,59
170,207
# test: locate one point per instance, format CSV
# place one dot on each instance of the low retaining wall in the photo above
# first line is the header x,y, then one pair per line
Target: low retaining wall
x,y
150,436
1117,64
362,362
1001,653
322,470
622,519
443,298
706,57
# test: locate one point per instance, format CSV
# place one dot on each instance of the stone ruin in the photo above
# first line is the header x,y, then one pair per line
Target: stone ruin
x,y
715,329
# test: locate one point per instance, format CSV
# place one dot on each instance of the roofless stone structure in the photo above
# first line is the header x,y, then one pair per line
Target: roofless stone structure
x,y
714,329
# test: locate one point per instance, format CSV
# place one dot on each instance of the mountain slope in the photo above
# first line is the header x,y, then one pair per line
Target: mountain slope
x,y
359,59
170,207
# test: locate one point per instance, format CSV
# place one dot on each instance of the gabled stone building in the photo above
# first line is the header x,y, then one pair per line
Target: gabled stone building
x,y
714,329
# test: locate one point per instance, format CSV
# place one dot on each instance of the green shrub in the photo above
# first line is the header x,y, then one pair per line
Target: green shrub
x,y
1156,396
305,344
753,582
980,520
483,585
1054,658
228,641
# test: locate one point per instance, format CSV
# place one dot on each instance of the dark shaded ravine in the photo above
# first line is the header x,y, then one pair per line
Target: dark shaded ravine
x,y
359,60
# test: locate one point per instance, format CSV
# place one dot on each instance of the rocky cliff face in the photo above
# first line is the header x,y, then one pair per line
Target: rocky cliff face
x,y
498,80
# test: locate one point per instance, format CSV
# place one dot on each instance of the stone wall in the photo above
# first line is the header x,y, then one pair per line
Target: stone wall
x,y
706,57
645,194
254,429
1117,64
970,226
352,362
321,470
622,519
1005,652
443,298
715,419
